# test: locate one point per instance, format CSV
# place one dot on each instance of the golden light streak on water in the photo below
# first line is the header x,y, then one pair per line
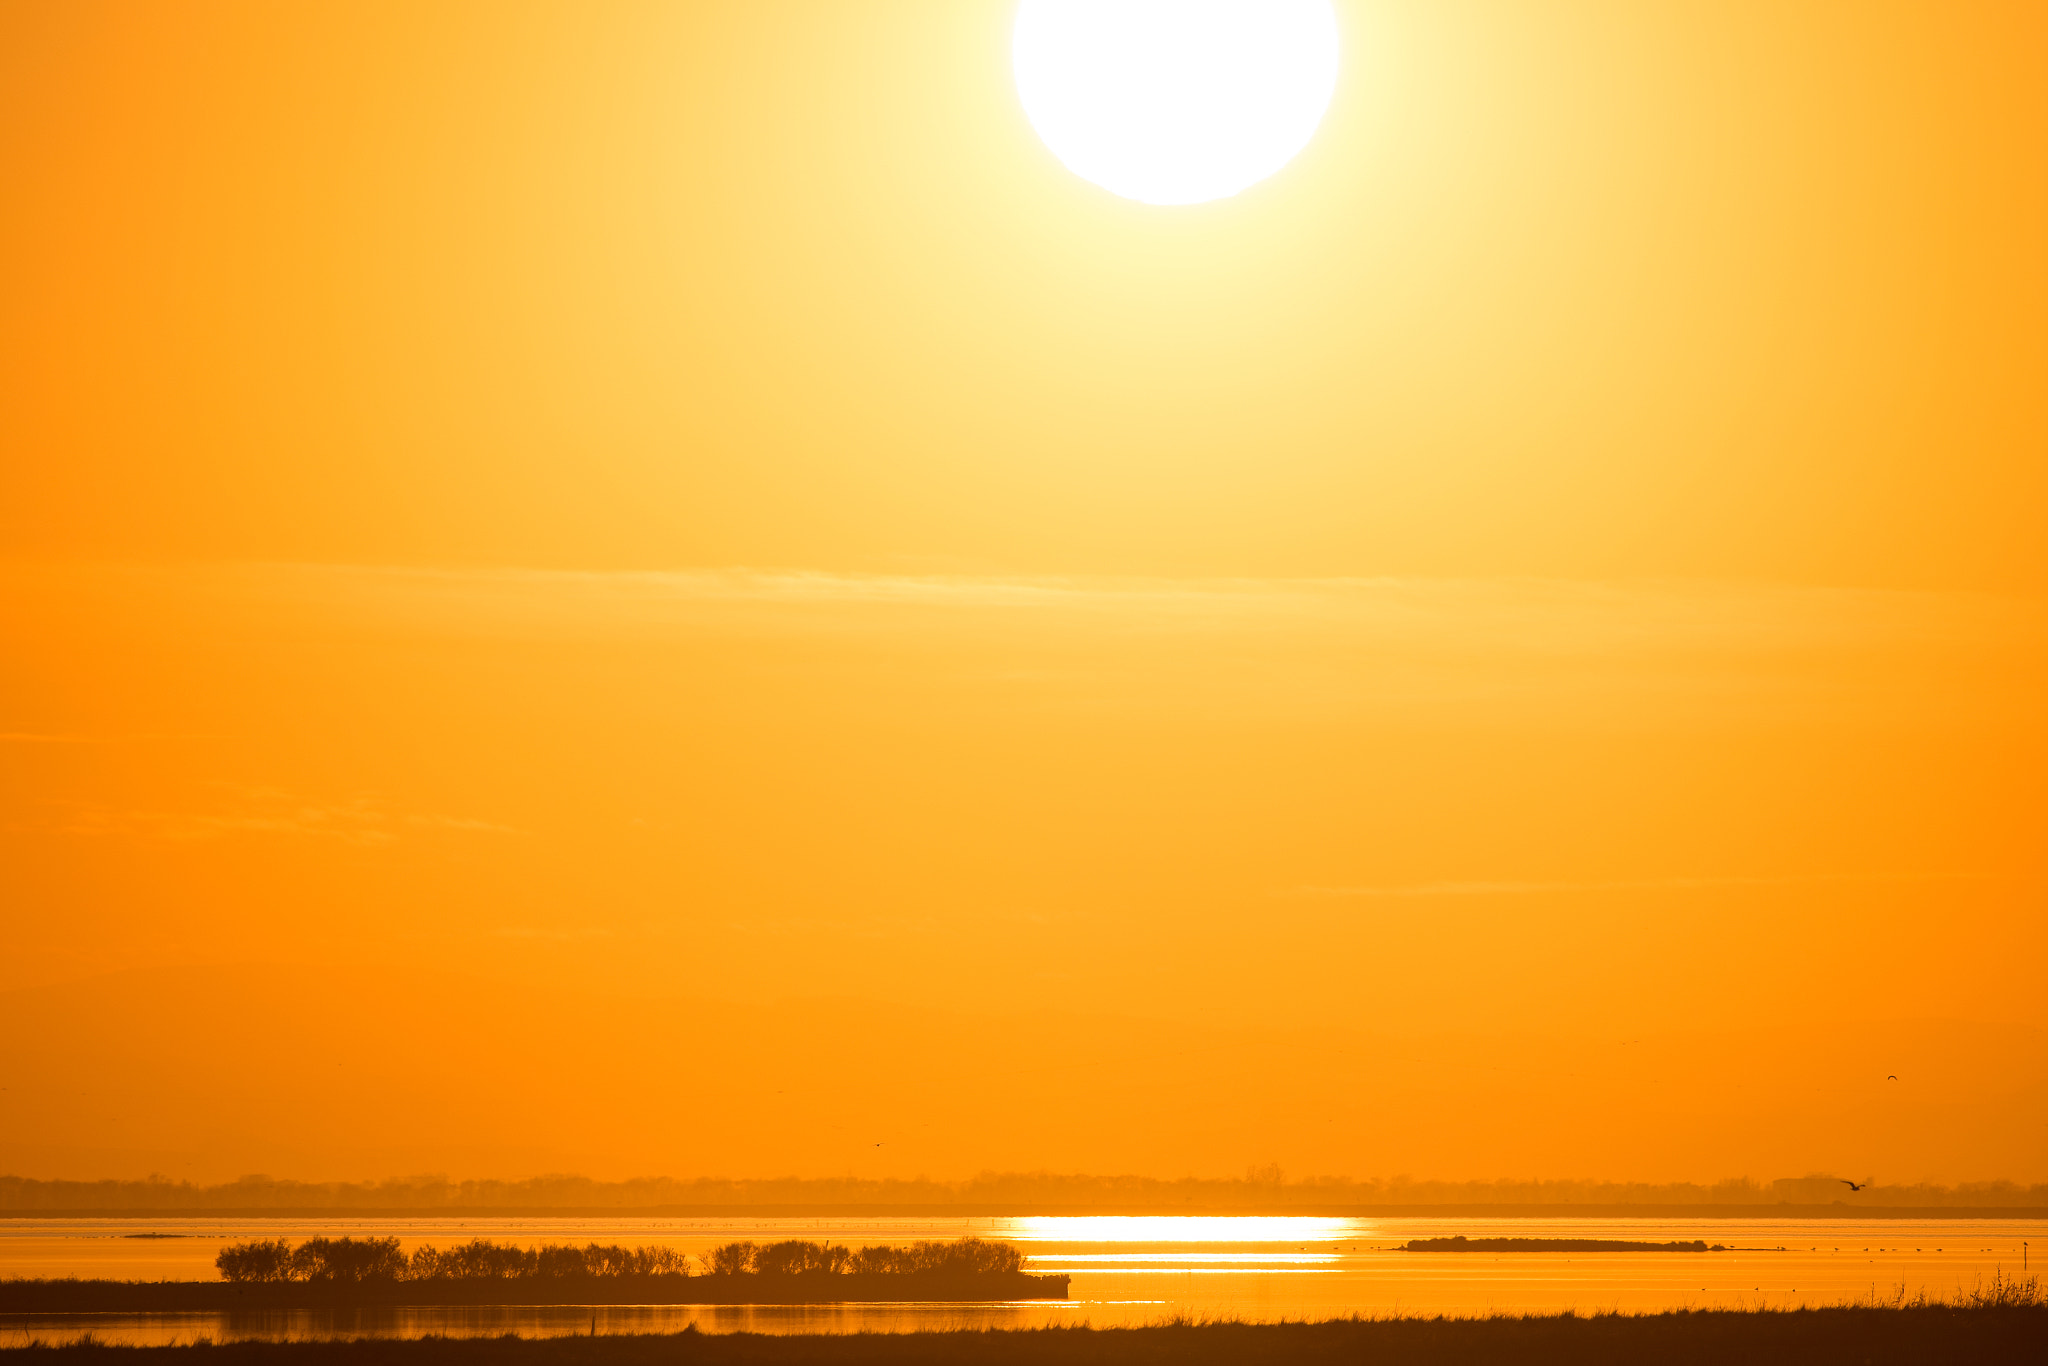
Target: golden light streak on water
x,y
1175,1228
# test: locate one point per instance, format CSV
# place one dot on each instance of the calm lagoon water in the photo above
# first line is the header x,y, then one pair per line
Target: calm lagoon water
x,y
1125,1270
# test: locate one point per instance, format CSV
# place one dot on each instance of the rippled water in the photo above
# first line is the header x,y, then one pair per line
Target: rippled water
x,y
1125,1270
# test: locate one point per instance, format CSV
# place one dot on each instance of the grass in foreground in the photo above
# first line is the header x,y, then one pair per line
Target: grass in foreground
x,y
1845,1336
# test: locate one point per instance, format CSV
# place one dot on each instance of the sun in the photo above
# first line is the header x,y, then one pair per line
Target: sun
x,y
1175,101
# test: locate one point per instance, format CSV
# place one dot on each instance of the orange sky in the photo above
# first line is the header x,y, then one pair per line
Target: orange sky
x,y
657,588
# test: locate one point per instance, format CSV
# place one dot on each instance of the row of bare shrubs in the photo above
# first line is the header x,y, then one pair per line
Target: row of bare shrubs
x,y
795,1257
356,1260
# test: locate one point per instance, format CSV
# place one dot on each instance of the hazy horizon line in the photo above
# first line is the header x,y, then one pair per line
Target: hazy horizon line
x,y
1267,1177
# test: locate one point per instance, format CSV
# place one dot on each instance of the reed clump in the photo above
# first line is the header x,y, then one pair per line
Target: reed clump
x,y
2004,1292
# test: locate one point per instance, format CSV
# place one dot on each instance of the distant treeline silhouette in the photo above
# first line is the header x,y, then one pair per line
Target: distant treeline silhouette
x,y
355,1261
1263,1191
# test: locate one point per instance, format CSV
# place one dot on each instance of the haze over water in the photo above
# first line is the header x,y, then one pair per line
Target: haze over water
x,y
1125,1271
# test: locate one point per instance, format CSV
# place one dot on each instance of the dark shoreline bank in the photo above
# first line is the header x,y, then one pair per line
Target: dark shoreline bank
x,y
1846,1336
1464,1244
156,1297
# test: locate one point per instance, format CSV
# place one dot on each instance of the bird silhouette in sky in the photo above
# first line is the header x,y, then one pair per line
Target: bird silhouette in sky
x,y
1891,1078
1851,1184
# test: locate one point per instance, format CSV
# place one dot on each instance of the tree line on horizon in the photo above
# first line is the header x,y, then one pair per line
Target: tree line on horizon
x,y
355,1261
1263,1189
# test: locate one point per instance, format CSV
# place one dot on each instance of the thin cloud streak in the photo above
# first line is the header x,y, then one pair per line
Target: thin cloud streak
x,y
1664,884
1556,618
1689,607
22,737
260,811
1588,653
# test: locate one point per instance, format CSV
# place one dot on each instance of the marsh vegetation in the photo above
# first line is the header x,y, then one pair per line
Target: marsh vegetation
x,y
363,1272
357,1261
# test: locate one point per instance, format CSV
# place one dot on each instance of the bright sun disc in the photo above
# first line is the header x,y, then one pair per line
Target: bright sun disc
x,y
1175,101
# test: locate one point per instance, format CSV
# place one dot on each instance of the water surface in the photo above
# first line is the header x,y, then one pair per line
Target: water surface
x,y
1125,1270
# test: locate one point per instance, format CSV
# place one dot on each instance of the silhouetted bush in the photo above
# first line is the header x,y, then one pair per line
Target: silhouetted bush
x,y
476,1260
374,1259
613,1260
968,1257
795,1257
263,1260
316,1259
348,1259
734,1259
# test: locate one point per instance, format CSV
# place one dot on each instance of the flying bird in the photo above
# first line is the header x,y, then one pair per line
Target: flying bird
x,y
1891,1078
1851,1184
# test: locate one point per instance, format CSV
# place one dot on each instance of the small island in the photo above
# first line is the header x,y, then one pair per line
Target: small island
x,y
352,1273
1464,1244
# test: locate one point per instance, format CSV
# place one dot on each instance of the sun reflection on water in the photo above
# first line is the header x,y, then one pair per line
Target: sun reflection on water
x,y
1246,1259
1179,1228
